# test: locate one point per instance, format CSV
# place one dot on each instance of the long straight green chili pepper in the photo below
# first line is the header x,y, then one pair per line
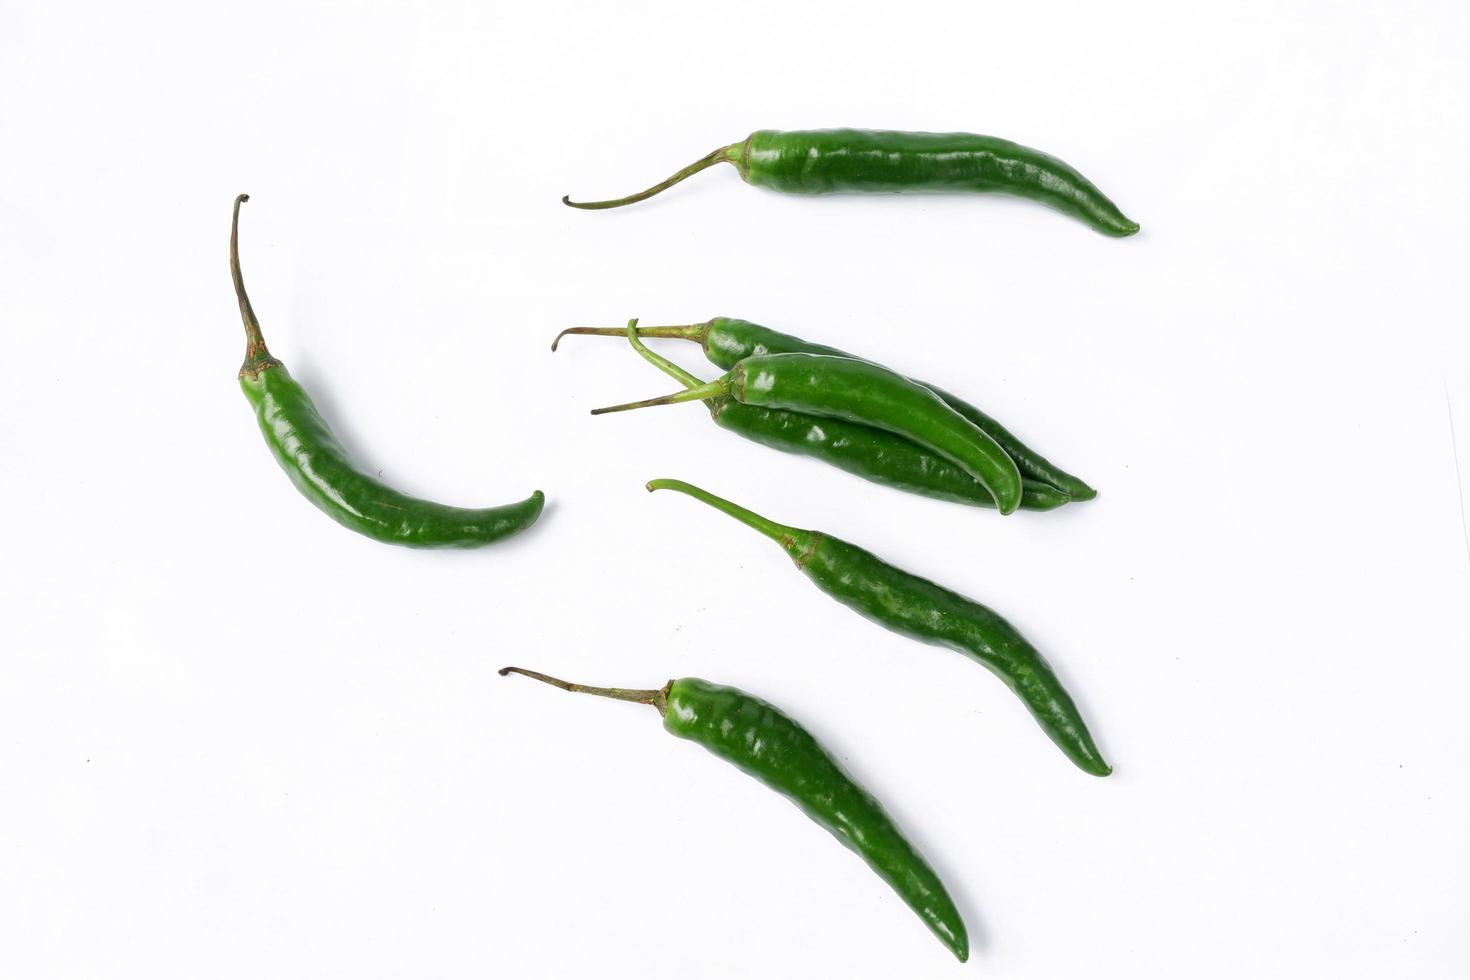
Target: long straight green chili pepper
x,y
726,341
918,608
862,392
769,745
827,161
873,454
321,469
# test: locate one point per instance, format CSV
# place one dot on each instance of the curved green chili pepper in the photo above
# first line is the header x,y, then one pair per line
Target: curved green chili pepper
x,y
872,454
862,450
827,161
862,392
769,745
320,467
918,608
726,341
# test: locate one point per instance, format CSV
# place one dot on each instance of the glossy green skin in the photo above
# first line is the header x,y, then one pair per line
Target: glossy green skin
x,y
870,453
867,394
769,745
922,610
318,464
827,161
727,341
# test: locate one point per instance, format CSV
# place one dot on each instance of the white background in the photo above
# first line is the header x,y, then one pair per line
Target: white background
x,y
239,741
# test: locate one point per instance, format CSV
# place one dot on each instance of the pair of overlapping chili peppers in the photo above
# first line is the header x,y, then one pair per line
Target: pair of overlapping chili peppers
x,y
801,398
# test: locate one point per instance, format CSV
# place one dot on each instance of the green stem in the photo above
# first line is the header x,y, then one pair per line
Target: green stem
x,y
255,349
659,698
722,155
662,363
714,389
776,532
689,331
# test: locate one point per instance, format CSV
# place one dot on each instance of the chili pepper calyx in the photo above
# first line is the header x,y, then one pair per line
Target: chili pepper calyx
x,y
739,155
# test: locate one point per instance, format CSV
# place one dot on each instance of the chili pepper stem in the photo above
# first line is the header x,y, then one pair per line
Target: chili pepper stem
x,y
724,154
257,356
780,533
687,331
714,389
659,698
662,363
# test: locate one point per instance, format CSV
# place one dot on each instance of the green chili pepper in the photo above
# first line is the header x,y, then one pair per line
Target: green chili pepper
x,y
324,473
864,393
922,610
727,341
873,454
827,161
769,745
